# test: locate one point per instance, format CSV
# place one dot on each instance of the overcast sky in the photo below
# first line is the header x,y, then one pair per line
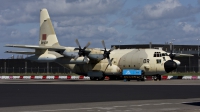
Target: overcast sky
x,y
115,21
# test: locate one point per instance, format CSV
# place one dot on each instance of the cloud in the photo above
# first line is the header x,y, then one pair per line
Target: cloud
x,y
188,28
28,11
167,9
118,22
76,21
86,33
160,9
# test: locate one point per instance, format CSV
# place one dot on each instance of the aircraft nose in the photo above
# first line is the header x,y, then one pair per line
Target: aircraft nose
x,y
170,66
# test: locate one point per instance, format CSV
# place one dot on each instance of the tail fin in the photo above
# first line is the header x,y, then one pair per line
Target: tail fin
x,y
47,34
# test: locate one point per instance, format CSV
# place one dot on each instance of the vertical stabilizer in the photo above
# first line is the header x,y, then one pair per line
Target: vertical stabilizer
x,y
47,34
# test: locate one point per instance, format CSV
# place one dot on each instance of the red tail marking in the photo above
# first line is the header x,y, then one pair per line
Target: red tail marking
x,y
44,36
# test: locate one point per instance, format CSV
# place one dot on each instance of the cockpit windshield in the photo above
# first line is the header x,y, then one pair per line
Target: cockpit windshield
x,y
159,54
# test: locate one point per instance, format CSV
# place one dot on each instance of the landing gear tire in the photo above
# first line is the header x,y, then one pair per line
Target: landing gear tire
x,y
157,77
93,78
97,78
141,78
101,78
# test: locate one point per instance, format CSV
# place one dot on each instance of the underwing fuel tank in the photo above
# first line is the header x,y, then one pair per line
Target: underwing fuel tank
x,y
42,58
112,70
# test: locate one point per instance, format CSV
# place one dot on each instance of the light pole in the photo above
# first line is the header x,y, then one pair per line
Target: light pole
x,y
198,46
172,43
119,43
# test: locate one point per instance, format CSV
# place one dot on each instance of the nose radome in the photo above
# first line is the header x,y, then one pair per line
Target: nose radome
x,y
170,66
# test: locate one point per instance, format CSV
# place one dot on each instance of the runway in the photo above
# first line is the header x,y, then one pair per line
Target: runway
x,y
104,96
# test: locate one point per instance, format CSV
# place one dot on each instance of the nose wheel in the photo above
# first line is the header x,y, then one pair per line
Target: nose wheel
x,y
157,77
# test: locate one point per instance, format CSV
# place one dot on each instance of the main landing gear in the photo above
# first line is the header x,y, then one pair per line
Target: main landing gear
x,y
97,78
157,77
141,78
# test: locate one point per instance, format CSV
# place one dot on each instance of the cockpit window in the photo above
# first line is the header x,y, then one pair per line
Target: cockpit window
x,y
157,54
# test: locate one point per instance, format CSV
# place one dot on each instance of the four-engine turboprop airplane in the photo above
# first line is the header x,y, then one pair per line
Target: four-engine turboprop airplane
x,y
94,62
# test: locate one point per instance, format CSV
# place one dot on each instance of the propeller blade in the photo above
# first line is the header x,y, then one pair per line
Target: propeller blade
x,y
87,45
78,44
75,58
112,49
103,43
109,61
86,59
171,55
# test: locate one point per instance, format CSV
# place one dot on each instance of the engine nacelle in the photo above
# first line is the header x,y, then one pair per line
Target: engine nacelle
x,y
112,70
42,58
70,54
96,56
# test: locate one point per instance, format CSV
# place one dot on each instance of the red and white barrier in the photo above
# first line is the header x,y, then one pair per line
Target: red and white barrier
x,y
47,77
88,78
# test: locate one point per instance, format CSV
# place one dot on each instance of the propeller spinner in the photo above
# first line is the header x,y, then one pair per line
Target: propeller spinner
x,y
106,53
82,51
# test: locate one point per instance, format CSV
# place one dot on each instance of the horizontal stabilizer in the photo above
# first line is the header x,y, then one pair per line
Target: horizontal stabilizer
x,y
20,52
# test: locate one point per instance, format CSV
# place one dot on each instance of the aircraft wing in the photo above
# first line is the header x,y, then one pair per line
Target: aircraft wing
x,y
36,47
181,55
20,52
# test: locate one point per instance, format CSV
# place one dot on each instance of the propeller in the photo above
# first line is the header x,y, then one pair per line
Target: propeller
x,y
82,51
171,55
106,53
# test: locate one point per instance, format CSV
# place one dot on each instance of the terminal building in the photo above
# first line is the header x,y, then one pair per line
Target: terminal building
x,y
188,64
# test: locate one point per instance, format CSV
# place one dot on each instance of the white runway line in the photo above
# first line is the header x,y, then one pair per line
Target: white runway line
x,y
111,107
56,110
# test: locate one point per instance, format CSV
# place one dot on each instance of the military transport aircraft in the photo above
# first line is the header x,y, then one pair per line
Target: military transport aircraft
x,y
95,62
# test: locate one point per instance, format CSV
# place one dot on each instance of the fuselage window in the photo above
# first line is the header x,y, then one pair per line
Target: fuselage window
x,y
158,61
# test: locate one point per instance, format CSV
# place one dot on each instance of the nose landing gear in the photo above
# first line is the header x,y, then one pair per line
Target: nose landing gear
x,y
157,77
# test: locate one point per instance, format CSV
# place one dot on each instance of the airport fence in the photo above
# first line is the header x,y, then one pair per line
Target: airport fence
x,y
34,70
180,69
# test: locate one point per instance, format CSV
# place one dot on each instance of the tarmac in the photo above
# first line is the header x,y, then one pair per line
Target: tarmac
x,y
99,96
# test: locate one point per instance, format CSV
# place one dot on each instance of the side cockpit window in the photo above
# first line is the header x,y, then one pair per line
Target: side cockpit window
x,y
158,61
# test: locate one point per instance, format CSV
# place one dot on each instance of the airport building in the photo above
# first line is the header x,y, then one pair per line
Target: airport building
x,y
188,64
